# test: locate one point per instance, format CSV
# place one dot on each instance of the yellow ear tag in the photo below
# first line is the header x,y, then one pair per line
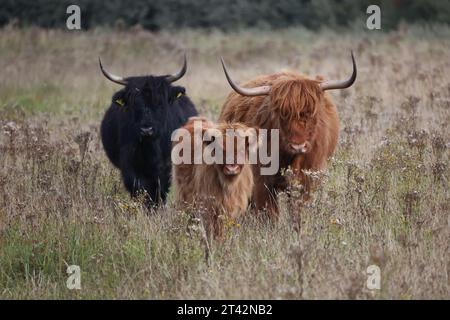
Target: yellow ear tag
x,y
120,102
179,94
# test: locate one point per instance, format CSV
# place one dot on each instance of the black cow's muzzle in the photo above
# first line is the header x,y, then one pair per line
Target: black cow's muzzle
x,y
147,132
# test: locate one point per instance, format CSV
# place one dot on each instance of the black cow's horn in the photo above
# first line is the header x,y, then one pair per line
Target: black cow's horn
x,y
251,92
341,84
180,74
110,76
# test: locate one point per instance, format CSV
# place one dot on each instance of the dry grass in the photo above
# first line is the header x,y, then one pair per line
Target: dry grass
x,y
385,199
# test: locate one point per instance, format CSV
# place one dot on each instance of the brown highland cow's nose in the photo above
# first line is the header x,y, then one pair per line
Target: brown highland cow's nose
x,y
299,148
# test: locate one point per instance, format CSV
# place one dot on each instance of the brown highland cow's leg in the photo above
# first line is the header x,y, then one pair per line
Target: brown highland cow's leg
x,y
298,164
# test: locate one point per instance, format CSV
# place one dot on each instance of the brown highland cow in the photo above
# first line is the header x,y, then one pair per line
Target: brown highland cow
x,y
306,117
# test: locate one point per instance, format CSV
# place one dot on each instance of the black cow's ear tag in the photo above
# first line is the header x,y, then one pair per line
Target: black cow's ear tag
x,y
179,94
120,102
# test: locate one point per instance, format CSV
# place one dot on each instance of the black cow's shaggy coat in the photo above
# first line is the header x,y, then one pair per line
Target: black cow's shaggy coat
x,y
136,131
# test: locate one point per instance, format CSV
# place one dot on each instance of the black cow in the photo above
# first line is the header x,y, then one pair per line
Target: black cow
x,y
137,127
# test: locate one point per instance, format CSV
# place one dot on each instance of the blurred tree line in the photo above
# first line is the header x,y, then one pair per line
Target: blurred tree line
x,y
222,14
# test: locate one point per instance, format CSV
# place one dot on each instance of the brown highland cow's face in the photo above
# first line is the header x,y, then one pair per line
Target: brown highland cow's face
x,y
294,105
297,136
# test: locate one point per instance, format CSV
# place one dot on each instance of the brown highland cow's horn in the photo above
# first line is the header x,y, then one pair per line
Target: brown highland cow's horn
x,y
251,92
180,74
110,76
341,84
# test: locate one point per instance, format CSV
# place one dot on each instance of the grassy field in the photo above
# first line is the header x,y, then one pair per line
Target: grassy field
x,y
384,200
